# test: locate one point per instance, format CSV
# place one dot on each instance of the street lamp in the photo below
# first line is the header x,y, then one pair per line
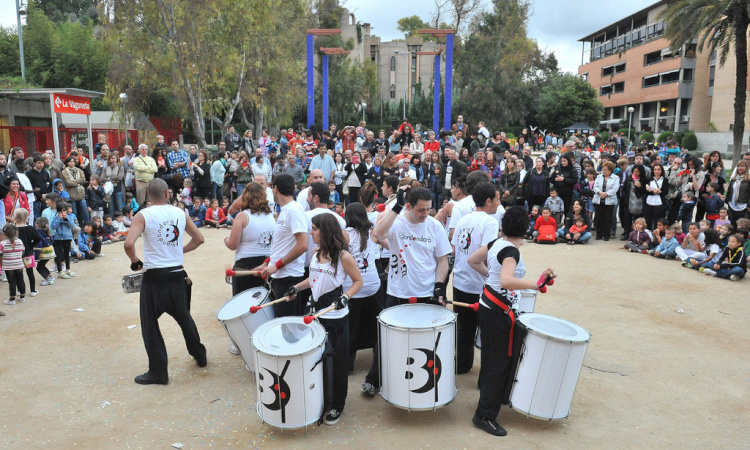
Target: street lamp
x,y
406,73
630,121
364,105
21,11
123,98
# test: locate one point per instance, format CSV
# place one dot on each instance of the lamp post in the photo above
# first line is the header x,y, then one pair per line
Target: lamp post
x,y
406,80
630,121
124,98
21,11
364,105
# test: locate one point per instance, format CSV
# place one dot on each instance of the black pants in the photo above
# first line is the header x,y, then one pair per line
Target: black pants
x,y
495,327
363,330
15,279
62,253
652,213
734,216
394,301
338,336
166,291
202,192
96,247
41,267
279,288
32,280
241,284
467,330
603,219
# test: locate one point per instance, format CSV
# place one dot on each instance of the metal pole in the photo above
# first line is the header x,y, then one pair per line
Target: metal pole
x,y
448,81
210,119
55,137
436,97
325,92
91,139
406,82
630,122
310,81
20,39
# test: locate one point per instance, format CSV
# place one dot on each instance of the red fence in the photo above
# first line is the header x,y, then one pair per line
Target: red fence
x,y
39,139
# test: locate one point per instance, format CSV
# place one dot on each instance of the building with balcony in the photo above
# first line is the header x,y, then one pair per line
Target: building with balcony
x,y
631,64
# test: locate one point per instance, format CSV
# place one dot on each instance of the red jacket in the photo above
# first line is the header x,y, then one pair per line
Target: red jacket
x,y
210,215
9,201
547,229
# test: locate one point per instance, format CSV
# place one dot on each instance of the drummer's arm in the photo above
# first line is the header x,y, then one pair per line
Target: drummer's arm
x,y
478,261
303,285
350,266
136,228
196,238
383,225
234,208
235,236
442,268
508,281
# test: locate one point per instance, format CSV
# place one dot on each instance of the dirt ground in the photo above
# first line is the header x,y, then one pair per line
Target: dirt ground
x,y
667,366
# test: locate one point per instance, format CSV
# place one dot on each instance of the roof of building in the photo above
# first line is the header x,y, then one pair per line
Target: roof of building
x,y
642,11
43,94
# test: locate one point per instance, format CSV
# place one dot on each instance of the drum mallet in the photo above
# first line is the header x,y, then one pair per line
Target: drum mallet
x,y
308,319
412,299
547,279
474,306
242,273
255,309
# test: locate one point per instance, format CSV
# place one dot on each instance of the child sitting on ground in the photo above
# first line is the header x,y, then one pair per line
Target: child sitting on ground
x,y
110,234
555,205
693,245
90,246
722,220
639,239
225,208
12,256
732,262
545,228
197,212
685,214
533,215
42,228
724,232
658,234
667,246
118,225
215,216
127,216
712,252
576,230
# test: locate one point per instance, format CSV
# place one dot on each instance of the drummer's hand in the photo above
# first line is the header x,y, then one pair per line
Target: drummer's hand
x,y
136,266
268,271
261,267
343,302
439,292
291,292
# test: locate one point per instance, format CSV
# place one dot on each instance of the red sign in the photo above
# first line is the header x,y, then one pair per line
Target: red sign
x,y
71,104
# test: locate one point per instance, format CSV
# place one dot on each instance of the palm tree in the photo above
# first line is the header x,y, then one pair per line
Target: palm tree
x,y
722,25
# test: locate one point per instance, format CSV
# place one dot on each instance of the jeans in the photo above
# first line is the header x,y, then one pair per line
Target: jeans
x,y
216,190
2,214
115,203
726,273
81,211
240,188
37,209
585,236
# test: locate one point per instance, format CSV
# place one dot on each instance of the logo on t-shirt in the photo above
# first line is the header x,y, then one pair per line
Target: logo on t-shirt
x,y
169,233
265,238
463,239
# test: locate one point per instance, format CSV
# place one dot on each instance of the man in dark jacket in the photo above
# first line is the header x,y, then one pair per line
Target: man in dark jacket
x,y
40,184
453,169
232,140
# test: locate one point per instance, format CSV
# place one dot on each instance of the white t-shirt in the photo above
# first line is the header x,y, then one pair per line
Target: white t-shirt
x,y
291,220
310,244
655,199
466,206
500,250
256,236
384,252
302,199
473,231
414,252
271,202
366,264
162,236
716,250
701,240
323,281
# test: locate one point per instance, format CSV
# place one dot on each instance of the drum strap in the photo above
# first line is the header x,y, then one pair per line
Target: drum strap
x,y
490,295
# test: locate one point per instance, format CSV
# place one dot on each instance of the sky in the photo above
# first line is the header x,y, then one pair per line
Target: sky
x,y
556,25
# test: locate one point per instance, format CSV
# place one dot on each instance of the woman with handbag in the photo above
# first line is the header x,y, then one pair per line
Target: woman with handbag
x,y
114,173
75,180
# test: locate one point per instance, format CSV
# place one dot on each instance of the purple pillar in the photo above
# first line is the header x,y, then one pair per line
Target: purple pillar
x,y
325,92
310,81
448,81
436,97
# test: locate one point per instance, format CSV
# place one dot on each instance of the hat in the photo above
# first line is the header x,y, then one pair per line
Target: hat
x,y
631,154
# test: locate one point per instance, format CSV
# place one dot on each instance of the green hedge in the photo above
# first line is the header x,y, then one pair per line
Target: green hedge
x,y
689,141
665,135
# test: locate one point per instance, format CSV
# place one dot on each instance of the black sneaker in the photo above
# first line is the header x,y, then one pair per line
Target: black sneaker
x,y
149,378
489,426
333,417
368,388
201,360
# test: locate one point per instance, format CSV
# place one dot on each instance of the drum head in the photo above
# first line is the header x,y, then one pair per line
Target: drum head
x,y
240,304
288,336
554,327
417,315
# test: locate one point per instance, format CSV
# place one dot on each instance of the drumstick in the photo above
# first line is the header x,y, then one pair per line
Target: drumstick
x,y
381,207
241,273
412,299
474,306
308,319
255,309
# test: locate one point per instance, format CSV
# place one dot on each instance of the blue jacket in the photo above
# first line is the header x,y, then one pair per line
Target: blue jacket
x,y
713,204
83,242
63,193
63,228
667,245
198,214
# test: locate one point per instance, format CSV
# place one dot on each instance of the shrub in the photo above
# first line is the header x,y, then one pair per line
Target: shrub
x,y
647,136
689,141
665,135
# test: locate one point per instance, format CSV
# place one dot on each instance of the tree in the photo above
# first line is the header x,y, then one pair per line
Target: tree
x,y
568,99
721,26
60,11
689,141
410,25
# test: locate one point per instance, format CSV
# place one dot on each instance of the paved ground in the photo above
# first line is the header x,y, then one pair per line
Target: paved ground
x,y
667,366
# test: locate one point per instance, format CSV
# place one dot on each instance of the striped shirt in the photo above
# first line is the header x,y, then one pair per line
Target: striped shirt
x,y
12,256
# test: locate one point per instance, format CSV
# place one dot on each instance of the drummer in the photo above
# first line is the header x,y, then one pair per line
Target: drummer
x,y
330,265
288,246
250,239
419,246
471,232
165,287
500,261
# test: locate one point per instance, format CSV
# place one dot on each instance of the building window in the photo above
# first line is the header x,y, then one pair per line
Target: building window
x,y
414,69
687,75
652,80
413,91
605,90
711,78
670,77
657,57
613,69
615,88
662,78
393,91
393,63
585,76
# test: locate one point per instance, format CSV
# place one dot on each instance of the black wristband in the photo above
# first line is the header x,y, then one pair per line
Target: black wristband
x,y
138,265
397,208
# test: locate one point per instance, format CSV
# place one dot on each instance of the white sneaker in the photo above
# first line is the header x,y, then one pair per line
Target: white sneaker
x,y
21,299
71,273
709,272
50,280
34,293
64,275
3,278
10,302
45,282
101,255
234,350
734,277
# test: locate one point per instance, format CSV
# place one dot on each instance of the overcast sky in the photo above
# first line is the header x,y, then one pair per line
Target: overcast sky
x,y
556,25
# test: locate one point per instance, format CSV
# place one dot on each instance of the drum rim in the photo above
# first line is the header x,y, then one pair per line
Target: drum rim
x,y
452,319
236,296
582,332
317,342
430,408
